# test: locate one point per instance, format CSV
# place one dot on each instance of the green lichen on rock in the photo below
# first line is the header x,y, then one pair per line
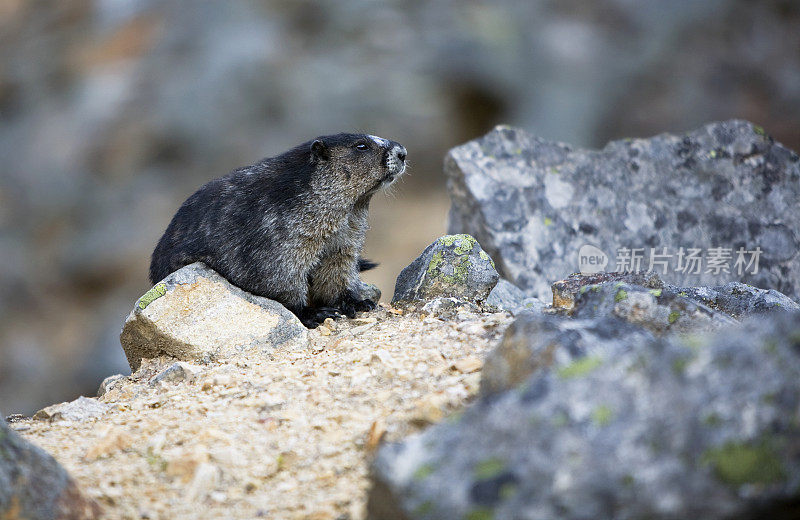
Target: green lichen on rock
x,y
424,508
156,292
560,419
679,365
673,317
461,270
602,415
449,240
579,367
759,130
489,468
466,245
621,295
435,262
737,464
424,472
655,292
508,490
485,257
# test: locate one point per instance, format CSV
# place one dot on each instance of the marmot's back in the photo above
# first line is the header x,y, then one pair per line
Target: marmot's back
x,y
185,242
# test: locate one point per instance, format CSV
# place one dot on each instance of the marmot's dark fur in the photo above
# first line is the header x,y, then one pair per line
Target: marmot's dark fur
x,y
289,227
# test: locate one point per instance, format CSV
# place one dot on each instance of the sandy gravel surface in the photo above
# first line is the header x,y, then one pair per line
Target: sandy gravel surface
x,y
284,436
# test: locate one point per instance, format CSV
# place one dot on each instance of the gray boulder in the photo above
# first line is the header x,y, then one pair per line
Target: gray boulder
x,y
533,204
194,314
454,266
34,486
668,427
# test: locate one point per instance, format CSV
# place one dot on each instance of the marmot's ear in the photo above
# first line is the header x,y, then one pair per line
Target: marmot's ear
x,y
319,150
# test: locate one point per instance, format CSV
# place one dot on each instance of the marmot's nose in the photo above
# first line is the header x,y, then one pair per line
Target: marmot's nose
x,y
400,152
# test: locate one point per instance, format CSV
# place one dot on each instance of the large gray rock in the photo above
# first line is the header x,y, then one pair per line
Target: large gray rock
x,y
454,266
533,204
34,486
699,427
194,314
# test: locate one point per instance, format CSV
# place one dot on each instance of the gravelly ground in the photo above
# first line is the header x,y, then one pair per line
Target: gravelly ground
x,y
284,436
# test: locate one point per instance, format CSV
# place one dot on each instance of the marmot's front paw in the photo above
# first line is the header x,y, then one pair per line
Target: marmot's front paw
x,y
311,317
349,305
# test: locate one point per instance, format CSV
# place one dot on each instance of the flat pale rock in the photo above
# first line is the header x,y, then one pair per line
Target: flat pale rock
x,y
194,314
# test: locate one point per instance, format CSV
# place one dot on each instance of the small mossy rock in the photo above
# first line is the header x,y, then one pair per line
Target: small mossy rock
x,y
34,486
194,314
454,266
661,427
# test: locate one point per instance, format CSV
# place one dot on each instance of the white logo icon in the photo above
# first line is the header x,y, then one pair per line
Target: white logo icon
x,y
591,260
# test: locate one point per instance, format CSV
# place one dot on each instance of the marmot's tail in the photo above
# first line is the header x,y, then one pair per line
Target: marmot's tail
x,y
366,265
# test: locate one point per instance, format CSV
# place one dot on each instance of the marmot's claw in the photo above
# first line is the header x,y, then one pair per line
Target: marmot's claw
x,y
348,310
349,305
312,317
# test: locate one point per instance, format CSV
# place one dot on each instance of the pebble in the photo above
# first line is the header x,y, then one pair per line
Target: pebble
x,y
468,364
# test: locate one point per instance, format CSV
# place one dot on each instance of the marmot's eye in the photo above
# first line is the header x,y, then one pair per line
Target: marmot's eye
x,y
362,147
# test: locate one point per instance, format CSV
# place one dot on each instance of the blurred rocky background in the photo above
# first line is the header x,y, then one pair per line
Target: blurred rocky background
x,y
113,111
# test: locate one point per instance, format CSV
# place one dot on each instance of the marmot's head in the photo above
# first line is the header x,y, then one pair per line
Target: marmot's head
x,y
362,163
